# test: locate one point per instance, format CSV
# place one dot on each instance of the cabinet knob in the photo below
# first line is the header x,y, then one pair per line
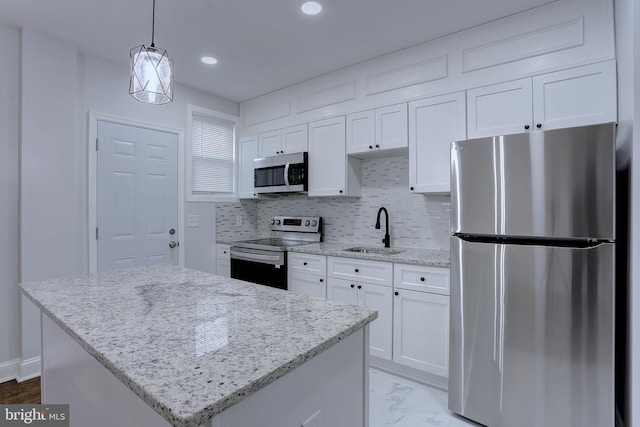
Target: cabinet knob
x,y
359,286
396,293
357,270
304,263
353,286
526,127
539,125
377,145
340,191
321,280
371,147
411,188
422,279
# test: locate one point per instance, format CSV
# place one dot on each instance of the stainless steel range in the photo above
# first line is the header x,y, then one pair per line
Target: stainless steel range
x,y
264,261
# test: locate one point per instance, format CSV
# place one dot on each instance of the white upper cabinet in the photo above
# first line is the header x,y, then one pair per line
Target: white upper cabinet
x,y
375,131
361,132
330,172
295,139
247,151
433,124
270,143
289,140
575,97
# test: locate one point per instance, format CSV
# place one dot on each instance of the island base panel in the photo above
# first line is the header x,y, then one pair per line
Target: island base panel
x,y
95,396
329,390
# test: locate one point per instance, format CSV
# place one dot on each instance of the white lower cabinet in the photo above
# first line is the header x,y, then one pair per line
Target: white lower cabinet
x,y
375,297
311,285
307,274
223,260
421,319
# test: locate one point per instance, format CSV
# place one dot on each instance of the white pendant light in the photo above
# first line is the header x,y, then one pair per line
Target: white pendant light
x,y
151,72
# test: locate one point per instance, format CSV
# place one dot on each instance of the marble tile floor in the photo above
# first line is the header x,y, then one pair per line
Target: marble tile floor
x,y
396,401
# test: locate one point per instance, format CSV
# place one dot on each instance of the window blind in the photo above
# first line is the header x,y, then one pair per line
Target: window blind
x,y
212,167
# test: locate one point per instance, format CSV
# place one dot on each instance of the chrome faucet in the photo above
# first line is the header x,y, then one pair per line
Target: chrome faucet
x,y
387,238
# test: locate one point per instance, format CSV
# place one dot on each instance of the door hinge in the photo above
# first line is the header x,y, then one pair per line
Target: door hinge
x,y
96,233
96,144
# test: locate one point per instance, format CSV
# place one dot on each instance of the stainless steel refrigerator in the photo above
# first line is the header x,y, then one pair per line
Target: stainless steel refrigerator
x,y
532,278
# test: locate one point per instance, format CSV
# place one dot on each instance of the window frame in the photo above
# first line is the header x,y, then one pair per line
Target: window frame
x,y
213,197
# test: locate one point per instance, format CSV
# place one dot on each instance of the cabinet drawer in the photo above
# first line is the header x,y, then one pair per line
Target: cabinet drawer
x,y
424,279
360,270
224,251
307,263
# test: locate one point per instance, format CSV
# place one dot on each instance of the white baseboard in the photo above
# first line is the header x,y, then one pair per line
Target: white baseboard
x,y
9,370
29,368
409,373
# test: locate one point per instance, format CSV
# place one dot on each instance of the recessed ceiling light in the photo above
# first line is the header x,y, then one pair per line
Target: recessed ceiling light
x,y
311,8
209,60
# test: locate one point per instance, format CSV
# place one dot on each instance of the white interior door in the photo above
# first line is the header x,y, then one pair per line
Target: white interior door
x,y
137,197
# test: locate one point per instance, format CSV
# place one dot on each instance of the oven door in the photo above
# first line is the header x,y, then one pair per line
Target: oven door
x,y
259,266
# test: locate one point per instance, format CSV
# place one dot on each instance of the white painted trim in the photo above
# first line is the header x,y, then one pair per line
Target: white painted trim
x,y
9,370
92,163
30,368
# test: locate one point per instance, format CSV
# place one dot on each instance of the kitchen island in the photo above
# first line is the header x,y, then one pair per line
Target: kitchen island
x,y
164,345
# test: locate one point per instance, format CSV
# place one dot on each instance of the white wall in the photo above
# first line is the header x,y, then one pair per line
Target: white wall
x,y
9,243
59,87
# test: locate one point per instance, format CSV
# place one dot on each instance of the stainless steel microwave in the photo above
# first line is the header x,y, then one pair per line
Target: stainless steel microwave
x,y
285,173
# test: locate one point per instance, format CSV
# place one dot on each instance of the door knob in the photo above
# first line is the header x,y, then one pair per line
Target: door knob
x,y
173,244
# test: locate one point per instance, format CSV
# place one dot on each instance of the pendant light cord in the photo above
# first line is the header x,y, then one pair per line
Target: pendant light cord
x,y
153,23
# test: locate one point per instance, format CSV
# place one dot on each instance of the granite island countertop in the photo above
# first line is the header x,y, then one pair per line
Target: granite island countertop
x,y
191,344
414,256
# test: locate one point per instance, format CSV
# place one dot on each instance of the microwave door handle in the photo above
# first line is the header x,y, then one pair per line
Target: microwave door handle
x,y
286,174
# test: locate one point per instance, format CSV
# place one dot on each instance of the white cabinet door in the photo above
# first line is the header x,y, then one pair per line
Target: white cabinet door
x,y
391,127
576,97
307,284
377,297
343,291
330,172
247,151
361,132
421,331
500,109
433,124
270,143
295,139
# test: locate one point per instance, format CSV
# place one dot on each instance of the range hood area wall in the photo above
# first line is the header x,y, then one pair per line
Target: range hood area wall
x,y
416,221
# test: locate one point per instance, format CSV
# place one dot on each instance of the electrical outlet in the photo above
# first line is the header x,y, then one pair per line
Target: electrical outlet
x,y
314,421
239,221
193,221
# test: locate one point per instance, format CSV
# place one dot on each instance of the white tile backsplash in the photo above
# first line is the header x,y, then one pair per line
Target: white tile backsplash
x,y
416,220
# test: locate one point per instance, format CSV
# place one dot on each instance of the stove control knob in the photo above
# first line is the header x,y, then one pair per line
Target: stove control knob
x,y
306,223
277,222
273,221
314,223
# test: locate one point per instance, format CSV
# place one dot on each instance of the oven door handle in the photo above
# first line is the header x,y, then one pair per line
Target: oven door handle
x,y
264,259
286,173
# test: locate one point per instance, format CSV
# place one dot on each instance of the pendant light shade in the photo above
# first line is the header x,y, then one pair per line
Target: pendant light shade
x,y
151,72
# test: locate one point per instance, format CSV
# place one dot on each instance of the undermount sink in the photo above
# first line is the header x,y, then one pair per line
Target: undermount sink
x,y
369,250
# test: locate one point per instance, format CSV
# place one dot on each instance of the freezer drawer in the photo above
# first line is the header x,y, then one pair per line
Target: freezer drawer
x,y
557,184
532,334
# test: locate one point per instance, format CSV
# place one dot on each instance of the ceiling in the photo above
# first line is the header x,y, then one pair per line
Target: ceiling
x,y
261,45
